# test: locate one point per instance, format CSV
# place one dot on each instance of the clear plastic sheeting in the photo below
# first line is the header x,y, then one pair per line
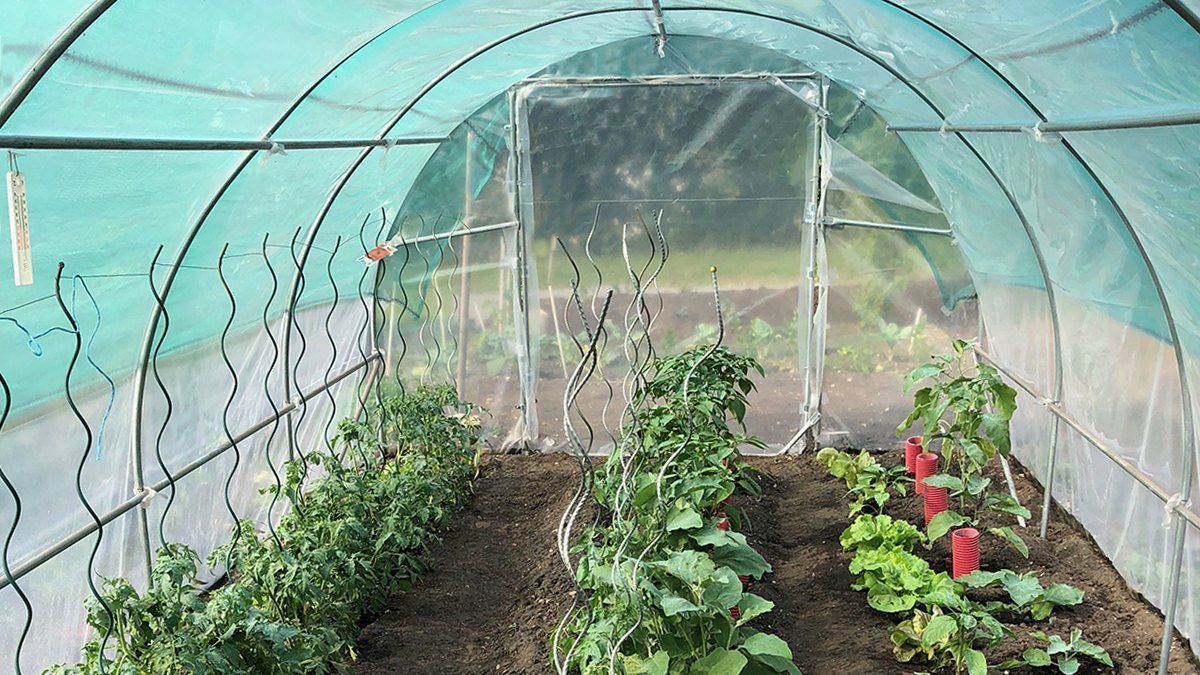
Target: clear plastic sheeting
x,y
883,320
39,450
1099,225
605,164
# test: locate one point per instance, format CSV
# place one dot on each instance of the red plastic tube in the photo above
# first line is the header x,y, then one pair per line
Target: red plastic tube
x,y
745,579
927,465
964,551
912,448
936,501
736,613
722,522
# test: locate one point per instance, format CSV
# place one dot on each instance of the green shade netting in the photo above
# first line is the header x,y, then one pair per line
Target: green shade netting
x,y
1112,213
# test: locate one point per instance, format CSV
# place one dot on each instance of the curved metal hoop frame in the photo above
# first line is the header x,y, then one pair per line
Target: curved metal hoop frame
x,y
95,11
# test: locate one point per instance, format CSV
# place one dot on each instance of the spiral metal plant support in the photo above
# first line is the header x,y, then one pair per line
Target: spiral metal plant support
x,y
425,312
453,352
110,618
581,450
162,388
8,537
401,314
233,390
292,371
630,456
361,390
333,350
380,321
602,330
266,324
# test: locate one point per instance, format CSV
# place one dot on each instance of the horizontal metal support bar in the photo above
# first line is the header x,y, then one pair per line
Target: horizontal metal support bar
x,y
846,222
191,144
1055,408
662,80
47,554
461,232
1113,124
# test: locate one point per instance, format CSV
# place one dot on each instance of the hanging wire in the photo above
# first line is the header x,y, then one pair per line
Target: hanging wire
x,y
162,387
267,392
237,455
12,530
87,451
78,282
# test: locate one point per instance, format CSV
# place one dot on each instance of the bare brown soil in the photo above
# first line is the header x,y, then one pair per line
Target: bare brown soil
x,y
797,523
496,586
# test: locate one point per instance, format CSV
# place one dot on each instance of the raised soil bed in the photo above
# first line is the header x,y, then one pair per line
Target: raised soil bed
x,y
496,586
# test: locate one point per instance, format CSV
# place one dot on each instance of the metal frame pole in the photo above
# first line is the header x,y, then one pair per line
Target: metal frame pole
x,y
817,272
87,143
527,371
837,223
1049,127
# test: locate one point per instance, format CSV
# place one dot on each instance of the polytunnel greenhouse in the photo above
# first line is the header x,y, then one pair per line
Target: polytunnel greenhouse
x,y
620,336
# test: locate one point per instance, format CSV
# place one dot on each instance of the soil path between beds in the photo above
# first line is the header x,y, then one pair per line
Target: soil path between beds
x,y
496,587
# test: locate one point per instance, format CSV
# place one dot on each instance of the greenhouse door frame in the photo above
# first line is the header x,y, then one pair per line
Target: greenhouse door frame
x,y
810,345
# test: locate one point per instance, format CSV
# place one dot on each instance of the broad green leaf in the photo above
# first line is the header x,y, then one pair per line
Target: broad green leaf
x,y
1022,588
751,606
720,662
891,603
943,523
975,661
1068,665
741,559
683,518
690,567
981,578
723,589
919,373
1006,533
771,651
1036,657
1057,646
938,629
1063,594
765,644
1093,650
995,425
673,604
658,664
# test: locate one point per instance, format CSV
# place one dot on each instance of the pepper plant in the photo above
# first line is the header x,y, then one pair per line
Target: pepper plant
x,y
964,410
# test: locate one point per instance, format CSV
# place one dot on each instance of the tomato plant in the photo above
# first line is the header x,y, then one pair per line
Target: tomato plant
x,y
292,605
